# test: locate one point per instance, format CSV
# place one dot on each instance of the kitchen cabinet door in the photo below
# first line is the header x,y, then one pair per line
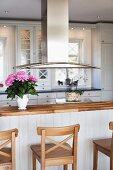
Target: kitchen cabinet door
x,y
24,45
107,67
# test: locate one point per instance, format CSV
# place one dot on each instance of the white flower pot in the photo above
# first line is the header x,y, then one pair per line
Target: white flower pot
x,y
22,102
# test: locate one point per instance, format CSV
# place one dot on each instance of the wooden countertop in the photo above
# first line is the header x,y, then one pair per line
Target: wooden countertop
x,y
56,108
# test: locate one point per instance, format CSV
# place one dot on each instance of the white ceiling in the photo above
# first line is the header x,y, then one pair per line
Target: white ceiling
x,y
79,10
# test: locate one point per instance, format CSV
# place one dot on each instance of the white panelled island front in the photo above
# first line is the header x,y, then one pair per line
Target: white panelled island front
x,y
93,118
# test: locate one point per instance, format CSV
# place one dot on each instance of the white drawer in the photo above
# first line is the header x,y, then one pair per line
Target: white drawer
x,y
43,88
34,97
3,97
90,98
33,102
8,103
60,95
92,93
46,101
47,95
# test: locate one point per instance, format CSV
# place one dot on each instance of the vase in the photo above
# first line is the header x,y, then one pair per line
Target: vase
x,y
22,102
72,97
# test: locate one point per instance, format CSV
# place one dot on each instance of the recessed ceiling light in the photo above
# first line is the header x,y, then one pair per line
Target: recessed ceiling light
x,y
5,26
72,28
83,29
6,12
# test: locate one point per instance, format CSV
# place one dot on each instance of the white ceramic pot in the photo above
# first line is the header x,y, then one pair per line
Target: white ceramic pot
x,y
22,102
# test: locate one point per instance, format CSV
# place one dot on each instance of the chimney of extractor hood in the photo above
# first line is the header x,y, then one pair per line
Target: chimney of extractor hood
x,y
54,31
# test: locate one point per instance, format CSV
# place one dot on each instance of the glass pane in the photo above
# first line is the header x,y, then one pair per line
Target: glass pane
x,y
74,51
25,46
73,74
39,48
25,34
43,74
25,56
60,75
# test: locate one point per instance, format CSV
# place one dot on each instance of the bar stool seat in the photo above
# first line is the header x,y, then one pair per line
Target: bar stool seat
x,y
56,153
59,153
104,146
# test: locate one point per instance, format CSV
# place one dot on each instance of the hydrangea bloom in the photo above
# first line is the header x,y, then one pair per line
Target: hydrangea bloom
x,y
32,78
9,81
22,76
20,84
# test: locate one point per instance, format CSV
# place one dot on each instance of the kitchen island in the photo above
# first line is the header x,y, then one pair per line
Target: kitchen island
x,y
93,118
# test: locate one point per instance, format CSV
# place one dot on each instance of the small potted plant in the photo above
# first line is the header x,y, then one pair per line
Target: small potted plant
x,y
19,85
73,95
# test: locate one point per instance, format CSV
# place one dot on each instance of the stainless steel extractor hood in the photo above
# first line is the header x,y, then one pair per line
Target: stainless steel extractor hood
x,y
55,28
55,31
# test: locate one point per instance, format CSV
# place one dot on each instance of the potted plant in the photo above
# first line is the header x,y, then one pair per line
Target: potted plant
x,y
19,85
73,95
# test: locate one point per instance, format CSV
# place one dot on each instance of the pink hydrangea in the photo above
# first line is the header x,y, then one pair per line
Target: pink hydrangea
x,y
9,81
32,78
22,76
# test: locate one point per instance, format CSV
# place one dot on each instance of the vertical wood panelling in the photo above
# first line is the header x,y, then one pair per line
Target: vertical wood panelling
x,y
94,125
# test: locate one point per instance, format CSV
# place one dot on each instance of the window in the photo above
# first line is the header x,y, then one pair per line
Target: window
x,y
2,44
75,51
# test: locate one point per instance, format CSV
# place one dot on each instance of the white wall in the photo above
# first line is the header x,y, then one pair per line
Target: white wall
x,y
9,60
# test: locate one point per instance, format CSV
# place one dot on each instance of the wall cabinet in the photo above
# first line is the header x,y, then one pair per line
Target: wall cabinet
x,y
28,44
24,45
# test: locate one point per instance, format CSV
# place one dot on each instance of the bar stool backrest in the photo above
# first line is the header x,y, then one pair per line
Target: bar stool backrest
x,y
71,131
8,138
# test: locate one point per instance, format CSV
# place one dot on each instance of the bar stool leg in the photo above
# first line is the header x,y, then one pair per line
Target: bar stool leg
x,y
111,163
74,167
95,157
34,162
65,167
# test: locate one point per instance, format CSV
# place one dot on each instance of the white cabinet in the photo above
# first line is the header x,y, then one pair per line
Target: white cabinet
x,y
28,44
44,79
102,56
7,102
106,33
47,98
33,100
91,96
25,45
107,66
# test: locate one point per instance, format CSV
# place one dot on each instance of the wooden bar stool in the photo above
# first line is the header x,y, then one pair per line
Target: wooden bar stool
x,y
7,153
106,147
56,153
